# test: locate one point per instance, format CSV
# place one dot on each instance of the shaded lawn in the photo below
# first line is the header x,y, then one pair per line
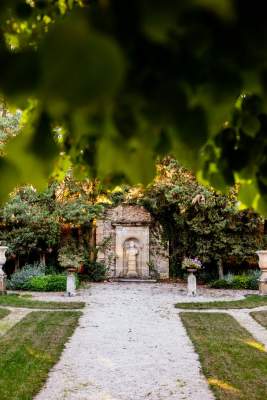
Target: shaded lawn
x,y
30,349
260,317
3,312
18,301
234,363
250,301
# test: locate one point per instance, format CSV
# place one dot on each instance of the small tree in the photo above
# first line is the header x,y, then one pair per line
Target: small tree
x,y
198,221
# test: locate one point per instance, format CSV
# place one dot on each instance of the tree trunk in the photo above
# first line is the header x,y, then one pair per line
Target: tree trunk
x,y
93,242
16,264
220,269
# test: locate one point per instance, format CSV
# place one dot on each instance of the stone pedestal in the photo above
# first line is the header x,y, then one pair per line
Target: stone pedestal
x,y
263,267
71,283
3,250
191,283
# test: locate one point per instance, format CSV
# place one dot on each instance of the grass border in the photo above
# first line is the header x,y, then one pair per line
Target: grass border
x,y
14,300
234,363
30,349
4,313
251,301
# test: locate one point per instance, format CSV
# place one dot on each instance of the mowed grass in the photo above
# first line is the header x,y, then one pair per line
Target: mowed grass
x,y
250,301
18,301
30,349
3,312
260,317
234,363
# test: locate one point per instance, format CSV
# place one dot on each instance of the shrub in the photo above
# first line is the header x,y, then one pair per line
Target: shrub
x,y
20,279
220,284
48,283
94,271
249,281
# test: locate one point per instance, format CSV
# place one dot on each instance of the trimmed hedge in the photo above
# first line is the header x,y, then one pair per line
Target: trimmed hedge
x,y
48,283
237,282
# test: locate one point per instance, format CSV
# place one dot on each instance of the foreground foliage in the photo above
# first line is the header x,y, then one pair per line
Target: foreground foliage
x,y
234,363
250,301
18,301
30,349
147,85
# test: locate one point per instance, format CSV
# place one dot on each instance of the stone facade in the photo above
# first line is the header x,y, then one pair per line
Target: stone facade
x,y
130,244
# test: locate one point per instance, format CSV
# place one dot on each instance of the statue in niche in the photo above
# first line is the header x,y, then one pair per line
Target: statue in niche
x,y
131,260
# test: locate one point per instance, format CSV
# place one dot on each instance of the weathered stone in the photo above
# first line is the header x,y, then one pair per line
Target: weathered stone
x,y
3,250
71,283
126,227
263,267
191,284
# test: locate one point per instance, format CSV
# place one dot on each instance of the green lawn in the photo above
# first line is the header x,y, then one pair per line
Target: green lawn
x,y
251,301
234,363
30,349
17,301
3,312
260,317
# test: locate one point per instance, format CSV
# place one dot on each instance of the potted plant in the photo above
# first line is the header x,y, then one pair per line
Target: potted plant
x,y
191,265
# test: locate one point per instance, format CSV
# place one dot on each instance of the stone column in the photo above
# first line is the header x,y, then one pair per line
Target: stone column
x,y
191,283
71,283
263,267
3,250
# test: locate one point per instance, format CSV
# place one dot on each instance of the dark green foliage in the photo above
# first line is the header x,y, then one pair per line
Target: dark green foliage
x,y
200,222
30,222
237,282
156,78
94,271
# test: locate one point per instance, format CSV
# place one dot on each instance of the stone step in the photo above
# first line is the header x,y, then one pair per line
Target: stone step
x,y
135,280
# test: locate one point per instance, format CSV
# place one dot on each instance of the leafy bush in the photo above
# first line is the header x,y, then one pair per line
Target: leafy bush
x,y
231,281
94,271
20,279
48,283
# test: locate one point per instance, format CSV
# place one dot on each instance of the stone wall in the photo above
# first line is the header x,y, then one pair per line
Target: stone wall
x,y
124,223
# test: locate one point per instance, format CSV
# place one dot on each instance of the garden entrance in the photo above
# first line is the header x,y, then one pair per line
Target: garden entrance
x,y
131,244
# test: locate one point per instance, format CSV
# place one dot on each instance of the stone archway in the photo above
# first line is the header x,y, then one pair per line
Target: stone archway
x,y
117,228
139,235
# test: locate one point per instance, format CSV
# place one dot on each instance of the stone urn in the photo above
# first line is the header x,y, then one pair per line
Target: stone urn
x,y
71,282
262,254
191,282
3,250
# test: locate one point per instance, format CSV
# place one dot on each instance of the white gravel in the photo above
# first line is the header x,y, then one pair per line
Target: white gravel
x,y
130,345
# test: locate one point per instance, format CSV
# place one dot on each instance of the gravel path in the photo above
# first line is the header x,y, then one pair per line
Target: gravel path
x,y
130,345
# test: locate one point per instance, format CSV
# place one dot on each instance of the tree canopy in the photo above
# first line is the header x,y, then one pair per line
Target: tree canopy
x,y
107,85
